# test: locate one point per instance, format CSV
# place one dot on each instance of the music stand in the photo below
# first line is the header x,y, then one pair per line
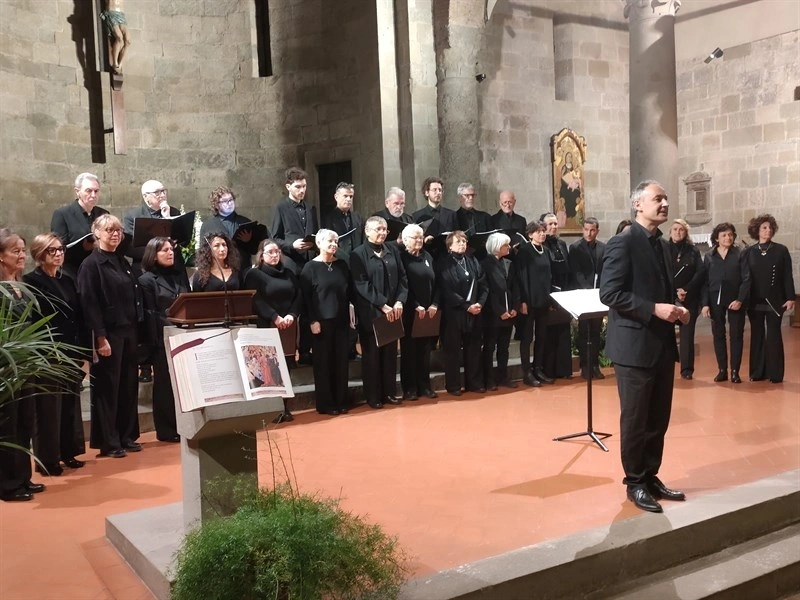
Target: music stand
x,y
200,308
584,305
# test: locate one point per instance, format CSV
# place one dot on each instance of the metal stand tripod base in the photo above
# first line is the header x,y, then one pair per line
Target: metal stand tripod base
x,y
592,434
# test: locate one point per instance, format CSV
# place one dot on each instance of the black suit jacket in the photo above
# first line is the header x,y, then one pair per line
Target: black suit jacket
x,y
405,217
630,286
287,227
501,220
503,293
335,221
582,267
59,297
159,290
71,223
136,254
365,269
475,221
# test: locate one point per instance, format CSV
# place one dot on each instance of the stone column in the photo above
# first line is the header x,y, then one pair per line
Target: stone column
x,y
653,103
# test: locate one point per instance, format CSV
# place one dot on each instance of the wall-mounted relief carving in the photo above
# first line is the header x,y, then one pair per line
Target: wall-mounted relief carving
x,y
698,198
568,153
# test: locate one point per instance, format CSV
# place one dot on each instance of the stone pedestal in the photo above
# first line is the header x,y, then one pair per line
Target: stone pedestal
x,y
215,441
653,103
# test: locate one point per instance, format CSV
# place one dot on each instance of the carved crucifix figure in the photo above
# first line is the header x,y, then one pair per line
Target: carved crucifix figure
x,y
116,27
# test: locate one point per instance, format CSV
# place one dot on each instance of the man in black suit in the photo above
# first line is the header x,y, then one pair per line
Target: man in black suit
x,y
343,220
636,285
507,219
293,221
442,220
470,220
155,205
585,267
395,206
74,221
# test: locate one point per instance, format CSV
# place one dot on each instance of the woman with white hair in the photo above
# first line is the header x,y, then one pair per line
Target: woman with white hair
x,y
689,274
499,312
422,303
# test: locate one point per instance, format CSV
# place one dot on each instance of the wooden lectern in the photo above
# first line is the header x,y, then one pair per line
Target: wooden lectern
x,y
198,308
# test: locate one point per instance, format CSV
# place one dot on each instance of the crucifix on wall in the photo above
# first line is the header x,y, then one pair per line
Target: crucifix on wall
x,y
115,28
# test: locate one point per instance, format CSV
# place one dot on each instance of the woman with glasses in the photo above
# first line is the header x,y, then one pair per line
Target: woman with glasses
x,y
687,267
225,219
277,299
161,283
112,310
422,303
16,416
59,426
217,267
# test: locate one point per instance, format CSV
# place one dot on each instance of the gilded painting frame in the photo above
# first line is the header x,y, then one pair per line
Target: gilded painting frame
x,y
568,155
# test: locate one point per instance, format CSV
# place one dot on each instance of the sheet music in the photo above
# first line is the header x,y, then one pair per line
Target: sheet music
x,y
580,302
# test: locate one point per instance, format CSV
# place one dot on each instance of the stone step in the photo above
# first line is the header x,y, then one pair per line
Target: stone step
x,y
765,567
758,521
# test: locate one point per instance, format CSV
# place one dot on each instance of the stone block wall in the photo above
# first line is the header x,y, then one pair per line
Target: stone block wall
x,y
738,121
197,117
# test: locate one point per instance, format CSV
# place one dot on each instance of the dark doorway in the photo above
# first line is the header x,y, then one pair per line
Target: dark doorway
x,y
329,176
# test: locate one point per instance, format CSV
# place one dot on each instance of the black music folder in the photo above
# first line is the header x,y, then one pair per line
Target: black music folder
x,y
386,332
180,229
427,326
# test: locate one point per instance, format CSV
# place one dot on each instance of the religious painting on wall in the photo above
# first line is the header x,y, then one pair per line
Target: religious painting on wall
x,y
568,153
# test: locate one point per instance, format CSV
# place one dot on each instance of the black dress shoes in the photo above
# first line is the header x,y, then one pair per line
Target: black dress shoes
x,y
454,392
686,375
643,500
477,390
50,470
735,377
18,495
132,447
330,411
73,463
172,439
114,453
392,400
430,394
34,488
531,381
410,395
659,490
375,403
492,387
721,376
509,384
597,373
539,374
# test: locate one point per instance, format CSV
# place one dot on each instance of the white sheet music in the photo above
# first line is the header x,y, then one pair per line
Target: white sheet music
x,y
580,302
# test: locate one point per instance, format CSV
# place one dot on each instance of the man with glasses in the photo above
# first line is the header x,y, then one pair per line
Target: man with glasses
x,y
472,220
155,206
74,221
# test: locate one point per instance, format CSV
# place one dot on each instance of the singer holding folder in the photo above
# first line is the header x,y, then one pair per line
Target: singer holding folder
x,y
380,290
463,293
687,264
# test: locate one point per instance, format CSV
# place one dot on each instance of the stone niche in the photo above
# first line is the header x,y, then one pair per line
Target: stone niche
x,y
698,198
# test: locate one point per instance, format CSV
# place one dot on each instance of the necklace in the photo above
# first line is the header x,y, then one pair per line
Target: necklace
x,y
329,265
764,251
539,250
462,262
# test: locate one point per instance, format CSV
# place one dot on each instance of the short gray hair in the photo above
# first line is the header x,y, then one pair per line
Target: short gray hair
x,y
79,179
374,219
463,187
410,230
324,234
638,191
394,191
496,241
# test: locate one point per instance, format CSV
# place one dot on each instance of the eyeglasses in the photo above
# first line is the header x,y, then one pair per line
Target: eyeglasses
x,y
227,200
112,230
275,251
55,250
160,192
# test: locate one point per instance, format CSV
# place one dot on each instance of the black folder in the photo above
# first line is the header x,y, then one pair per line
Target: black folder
x,y
394,227
386,332
426,327
180,229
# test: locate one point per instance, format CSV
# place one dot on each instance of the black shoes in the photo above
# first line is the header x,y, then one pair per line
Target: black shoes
x,y
659,490
172,439
114,453
597,373
132,447
643,500
735,377
410,395
305,359
329,411
454,392
530,380
20,494
392,400
145,373
688,376
73,463
34,488
722,376
509,384
477,390
49,470
429,393
539,374
283,417
375,403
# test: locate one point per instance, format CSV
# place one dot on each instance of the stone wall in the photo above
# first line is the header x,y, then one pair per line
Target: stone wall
x,y
740,123
197,117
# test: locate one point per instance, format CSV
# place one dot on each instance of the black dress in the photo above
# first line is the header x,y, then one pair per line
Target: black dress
x,y
771,285
277,292
59,426
532,271
160,288
558,362
462,283
214,283
326,300
415,353
687,264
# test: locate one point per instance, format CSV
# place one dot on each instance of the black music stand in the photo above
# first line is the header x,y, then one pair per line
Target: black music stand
x,y
584,305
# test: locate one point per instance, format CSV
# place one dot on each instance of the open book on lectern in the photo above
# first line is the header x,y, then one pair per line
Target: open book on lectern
x,y
217,366
581,304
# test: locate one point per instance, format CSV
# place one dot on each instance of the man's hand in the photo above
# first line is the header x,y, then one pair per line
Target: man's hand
x,y
164,208
316,328
735,305
788,305
671,313
299,244
706,312
244,236
474,309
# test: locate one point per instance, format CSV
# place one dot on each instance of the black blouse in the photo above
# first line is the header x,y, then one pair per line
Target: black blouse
x,y
533,274
277,292
422,288
326,292
215,284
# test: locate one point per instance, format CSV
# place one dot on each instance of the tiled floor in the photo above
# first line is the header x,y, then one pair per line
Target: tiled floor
x,y
454,479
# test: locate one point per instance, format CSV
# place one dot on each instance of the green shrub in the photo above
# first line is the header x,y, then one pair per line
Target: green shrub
x,y
285,545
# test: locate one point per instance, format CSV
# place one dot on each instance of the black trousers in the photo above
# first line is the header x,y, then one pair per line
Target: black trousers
x,y
495,337
462,346
330,365
378,366
164,416
645,397
415,363
16,427
534,332
558,361
766,345
686,349
736,325
115,393
589,331
55,436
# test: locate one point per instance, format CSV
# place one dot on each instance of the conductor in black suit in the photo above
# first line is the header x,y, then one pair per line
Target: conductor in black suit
x,y
381,287
343,220
585,267
293,221
74,221
636,285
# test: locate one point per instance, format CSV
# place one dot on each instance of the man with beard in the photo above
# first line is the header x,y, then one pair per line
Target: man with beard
x,y
637,286
395,206
442,220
